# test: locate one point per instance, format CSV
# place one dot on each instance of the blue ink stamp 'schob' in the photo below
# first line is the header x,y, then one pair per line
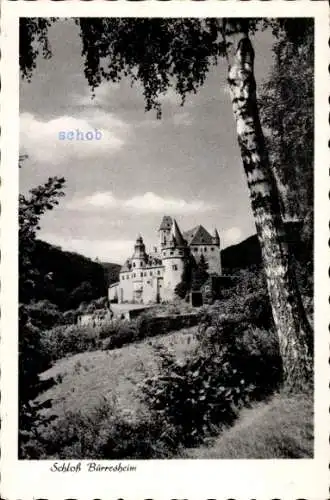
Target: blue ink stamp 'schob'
x,y
78,135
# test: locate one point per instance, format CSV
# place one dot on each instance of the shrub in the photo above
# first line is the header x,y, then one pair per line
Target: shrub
x,y
44,314
181,289
66,340
70,317
102,433
117,333
195,397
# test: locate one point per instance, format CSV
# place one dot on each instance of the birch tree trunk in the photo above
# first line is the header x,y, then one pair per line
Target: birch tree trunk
x,y
293,329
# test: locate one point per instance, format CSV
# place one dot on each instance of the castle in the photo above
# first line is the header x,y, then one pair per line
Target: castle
x,y
152,277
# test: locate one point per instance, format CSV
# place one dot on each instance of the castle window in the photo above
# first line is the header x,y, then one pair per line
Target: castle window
x,y
134,275
141,274
195,249
158,272
150,273
175,267
205,249
212,249
164,253
171,253
133,264
145,274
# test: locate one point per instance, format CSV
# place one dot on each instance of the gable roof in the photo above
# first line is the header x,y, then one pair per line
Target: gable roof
x,y
166,223
198,236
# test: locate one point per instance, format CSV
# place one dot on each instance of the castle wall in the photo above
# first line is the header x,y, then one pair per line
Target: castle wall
x,y
113,292
141,285
125,293
212,257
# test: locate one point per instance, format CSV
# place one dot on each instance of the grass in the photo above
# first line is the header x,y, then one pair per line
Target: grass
x,y
280,428
86,379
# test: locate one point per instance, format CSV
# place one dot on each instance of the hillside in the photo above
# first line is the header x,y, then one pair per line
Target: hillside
x,y
111,272
84,379
67,278
245,254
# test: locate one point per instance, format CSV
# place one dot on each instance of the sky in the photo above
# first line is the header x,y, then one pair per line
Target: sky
x,y
186,165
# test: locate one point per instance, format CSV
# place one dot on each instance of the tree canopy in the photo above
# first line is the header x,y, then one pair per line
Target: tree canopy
x,y
159,53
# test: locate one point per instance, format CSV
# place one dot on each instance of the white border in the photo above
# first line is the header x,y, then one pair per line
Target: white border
x,y
161,480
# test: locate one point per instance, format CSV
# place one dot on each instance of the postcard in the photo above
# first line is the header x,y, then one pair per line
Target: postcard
x,y
164,244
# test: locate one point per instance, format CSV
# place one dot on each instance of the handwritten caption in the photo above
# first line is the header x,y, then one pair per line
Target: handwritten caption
x,y
91,467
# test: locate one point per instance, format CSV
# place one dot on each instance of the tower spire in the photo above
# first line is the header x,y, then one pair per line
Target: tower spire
x,y
176,235
216,237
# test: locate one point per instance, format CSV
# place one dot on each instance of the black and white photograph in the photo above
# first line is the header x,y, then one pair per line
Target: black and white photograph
x,y
166,238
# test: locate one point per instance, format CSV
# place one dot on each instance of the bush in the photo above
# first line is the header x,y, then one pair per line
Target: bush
x,y
67,340
246,300
70,317
231,367
44,314
101,433
181,290
192,398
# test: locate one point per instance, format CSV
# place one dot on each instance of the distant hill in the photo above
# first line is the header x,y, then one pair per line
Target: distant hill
x,y
68,278
244,254
111,272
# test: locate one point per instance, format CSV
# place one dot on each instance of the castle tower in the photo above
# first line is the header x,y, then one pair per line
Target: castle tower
x,y
215,260
138,263
139,255
173,256
165,231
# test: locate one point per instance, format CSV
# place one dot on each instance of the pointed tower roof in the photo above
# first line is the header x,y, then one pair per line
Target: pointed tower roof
x,y
176,235
166,223
216,237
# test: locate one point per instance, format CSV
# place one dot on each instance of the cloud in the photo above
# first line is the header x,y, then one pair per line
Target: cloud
x,y
232,235
102,95
146,203
171,97
105,250
183,118
40,139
